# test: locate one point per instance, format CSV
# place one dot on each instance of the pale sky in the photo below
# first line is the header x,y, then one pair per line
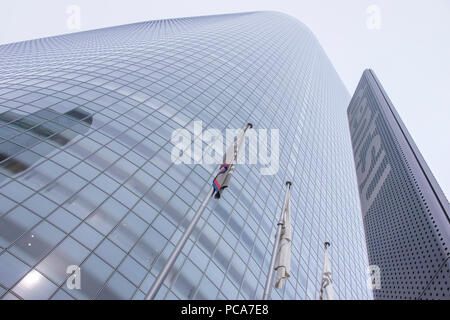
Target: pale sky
x,y
409,52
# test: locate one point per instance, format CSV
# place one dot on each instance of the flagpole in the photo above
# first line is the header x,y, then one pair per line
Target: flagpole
x,y
165,271
326,244
268,287
176,252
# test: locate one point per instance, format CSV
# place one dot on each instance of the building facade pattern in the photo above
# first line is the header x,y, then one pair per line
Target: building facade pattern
x,y
406,214
86,177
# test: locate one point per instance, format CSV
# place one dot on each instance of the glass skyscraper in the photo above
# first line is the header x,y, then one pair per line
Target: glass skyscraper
x,y
86,176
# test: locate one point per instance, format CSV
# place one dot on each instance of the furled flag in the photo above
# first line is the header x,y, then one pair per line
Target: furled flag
x,y
326,288
226,169
283,264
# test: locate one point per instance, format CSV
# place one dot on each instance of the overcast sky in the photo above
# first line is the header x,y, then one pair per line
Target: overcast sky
x,y
406,43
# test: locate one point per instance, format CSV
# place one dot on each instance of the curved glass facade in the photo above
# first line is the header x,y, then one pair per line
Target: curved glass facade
x,y
86,176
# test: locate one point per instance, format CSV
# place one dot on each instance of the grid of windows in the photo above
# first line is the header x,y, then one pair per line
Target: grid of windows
x,y
405,212
86,177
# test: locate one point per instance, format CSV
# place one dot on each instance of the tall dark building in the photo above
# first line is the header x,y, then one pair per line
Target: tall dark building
x,y
405,213
86,176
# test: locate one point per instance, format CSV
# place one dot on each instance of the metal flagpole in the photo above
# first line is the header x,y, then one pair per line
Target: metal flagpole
x,y
175,253
268,287
325,281
165,271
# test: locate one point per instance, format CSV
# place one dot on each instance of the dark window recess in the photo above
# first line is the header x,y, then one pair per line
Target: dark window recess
x,y
30,130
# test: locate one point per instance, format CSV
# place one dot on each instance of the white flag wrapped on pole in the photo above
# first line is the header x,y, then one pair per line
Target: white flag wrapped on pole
x,y
222,179
283,263
326,287
219,183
